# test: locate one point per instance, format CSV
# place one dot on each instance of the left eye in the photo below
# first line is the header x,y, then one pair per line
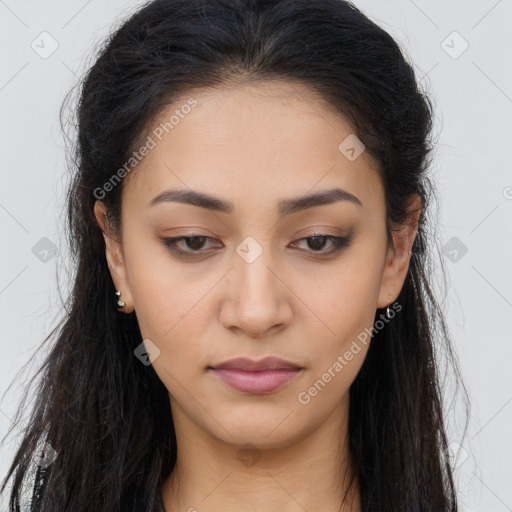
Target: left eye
x,y
318,241
194,244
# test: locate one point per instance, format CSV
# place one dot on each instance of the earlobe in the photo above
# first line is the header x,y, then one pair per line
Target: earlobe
x,y
115,259
399,256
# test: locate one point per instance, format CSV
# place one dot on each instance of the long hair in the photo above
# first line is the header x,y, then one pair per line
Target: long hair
x,y
107,416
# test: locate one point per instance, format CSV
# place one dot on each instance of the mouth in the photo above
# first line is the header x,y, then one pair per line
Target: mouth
x,y
264,376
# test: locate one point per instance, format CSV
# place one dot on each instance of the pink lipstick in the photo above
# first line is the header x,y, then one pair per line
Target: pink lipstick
x,y
262,376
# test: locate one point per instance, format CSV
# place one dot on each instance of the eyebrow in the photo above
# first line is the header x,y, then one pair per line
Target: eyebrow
x,y
285,207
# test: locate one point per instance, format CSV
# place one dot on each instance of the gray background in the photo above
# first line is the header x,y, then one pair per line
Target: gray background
x,y
472,90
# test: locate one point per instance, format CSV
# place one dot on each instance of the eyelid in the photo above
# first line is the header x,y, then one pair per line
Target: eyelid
x,y
339,244
173,241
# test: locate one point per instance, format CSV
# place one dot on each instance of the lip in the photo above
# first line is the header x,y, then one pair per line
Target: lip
x,y
264,376
249,365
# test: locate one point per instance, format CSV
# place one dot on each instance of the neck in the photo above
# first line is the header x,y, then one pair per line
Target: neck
x,y
311,473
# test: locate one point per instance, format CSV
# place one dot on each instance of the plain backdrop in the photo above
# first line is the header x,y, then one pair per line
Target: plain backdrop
x,y
462,53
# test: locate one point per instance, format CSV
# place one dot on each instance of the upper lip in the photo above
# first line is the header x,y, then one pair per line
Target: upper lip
x,y
267,363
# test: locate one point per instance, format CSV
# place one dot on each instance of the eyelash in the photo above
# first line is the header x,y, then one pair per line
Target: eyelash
x,y
338,242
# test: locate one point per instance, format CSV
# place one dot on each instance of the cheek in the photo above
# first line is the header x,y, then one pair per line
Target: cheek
x,y
337,356
342,298
164,291
171,314
170,306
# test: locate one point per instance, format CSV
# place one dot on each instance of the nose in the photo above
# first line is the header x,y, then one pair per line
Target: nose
x,y
258,301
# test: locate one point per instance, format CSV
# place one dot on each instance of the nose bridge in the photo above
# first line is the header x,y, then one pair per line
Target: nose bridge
x,y
257,282
257,294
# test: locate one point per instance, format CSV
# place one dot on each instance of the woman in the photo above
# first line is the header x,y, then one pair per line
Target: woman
x,y
252,324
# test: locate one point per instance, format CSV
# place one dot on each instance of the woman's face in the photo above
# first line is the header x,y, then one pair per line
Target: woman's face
x,y
255,283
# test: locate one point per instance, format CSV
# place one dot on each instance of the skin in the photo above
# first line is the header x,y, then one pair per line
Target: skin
x,y
255,145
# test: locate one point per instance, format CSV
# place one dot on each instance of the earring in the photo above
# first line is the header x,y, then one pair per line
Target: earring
x,y
120,304
387,309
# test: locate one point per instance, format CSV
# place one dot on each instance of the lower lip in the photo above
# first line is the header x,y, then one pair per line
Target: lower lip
x,y
256,382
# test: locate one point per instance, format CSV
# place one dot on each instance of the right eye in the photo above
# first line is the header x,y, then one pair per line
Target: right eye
x,y
193,244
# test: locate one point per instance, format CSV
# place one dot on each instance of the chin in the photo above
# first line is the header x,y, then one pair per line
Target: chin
x,y
273,428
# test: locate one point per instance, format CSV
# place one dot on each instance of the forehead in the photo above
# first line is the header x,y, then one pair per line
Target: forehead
x,y
250,143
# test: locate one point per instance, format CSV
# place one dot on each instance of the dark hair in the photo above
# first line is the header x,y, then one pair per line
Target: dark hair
x,y
115,441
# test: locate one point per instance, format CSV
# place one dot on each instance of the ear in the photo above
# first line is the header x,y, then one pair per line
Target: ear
x,y
398,258
115,258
